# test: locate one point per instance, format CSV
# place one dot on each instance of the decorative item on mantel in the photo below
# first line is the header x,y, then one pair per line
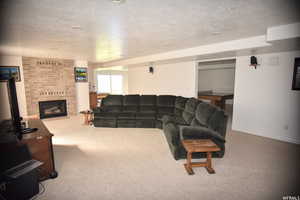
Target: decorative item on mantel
x,y
48,62
52,93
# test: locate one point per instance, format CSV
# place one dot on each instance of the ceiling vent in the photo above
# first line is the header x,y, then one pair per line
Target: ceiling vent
x,y
118,1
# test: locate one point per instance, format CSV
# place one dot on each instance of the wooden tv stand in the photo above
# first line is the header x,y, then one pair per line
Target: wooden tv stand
x,y
40,146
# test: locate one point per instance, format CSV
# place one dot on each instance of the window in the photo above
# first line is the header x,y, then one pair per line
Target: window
x,y
110,83
116,84
104,84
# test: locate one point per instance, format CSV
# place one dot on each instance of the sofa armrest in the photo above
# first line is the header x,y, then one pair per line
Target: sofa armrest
x,y
167,119
198,132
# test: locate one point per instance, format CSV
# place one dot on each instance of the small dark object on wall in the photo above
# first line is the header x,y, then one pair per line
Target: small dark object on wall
x,y
296,75
253,61
151,70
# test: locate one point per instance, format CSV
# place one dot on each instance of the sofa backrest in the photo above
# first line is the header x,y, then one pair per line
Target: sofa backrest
x,y
131,103
179,105
211,117
165,103
112,100
203,113
112,103
189,109
148,103
218,122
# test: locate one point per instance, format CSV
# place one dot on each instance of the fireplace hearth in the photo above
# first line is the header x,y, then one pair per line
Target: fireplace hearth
x,y
50,109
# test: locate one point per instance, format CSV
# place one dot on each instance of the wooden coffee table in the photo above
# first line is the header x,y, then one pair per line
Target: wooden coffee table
x,y
201,145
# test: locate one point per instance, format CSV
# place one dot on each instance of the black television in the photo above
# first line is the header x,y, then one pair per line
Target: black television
x,y
14,106
16,119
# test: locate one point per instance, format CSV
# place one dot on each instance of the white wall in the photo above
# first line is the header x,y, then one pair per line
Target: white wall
x,y
4,108
92,84
264,103
4,102
173,79
82,90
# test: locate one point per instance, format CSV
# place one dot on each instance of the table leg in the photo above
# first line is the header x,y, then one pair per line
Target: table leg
x,y
209,164
188,165
86,119
89,119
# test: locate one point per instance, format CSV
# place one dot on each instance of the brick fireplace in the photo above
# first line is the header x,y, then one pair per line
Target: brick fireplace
x,y
49,80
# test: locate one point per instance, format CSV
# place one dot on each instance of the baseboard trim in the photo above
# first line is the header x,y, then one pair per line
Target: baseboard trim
x,y
279,138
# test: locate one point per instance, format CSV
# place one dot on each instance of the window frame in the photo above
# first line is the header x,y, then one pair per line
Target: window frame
x,y
110,74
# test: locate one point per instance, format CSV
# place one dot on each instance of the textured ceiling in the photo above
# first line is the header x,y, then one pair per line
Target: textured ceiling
x,y
110,31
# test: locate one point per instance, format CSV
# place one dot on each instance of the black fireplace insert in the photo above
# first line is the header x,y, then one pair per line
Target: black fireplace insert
x,y
55,108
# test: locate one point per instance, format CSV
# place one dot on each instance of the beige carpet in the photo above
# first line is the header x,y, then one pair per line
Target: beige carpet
x,y
128,163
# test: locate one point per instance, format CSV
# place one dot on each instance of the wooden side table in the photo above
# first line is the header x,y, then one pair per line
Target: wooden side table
x,y
88,115
201,145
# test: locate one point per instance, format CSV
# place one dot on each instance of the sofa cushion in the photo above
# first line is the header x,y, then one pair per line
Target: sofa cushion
x,y
105,122
166,100
179,105
131,100
147,109
148,100
165,110
126,116
195,122
180,121
131,109
173,119
204,112
218,122
114,109
145,116
126,123
172,133
112,100
106,115
159,116
189,110
190,132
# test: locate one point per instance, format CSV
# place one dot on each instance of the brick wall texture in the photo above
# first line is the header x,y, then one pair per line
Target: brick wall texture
x,y
49,79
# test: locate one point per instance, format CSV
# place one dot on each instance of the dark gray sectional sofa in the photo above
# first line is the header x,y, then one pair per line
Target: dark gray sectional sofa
x,y
179,117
